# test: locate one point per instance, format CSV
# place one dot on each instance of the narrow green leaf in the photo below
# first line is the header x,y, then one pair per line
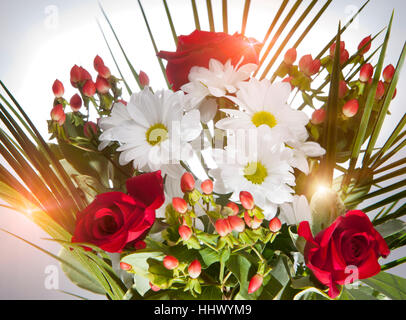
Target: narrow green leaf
x,y
168,14
386,201
275,20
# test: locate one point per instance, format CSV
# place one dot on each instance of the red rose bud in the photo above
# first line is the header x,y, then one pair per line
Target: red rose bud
x,y
185,232
342,89
154,287
255,283
58,115
380,90
144,80
187,182
89,89
179,205
275,225
318,116
289,80
233,207
170,262
366,72
333,48
252,222
125,266
98,62
247,200
207,186
102,85
104,72
90,129
236,223
364,43
75,102
388,73
223,227
290,56
58,89
350,108
195,268
309,66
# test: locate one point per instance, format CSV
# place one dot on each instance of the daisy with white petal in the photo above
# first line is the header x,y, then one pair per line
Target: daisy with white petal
x,y
263,104
265,173
297,211
216,81
152,129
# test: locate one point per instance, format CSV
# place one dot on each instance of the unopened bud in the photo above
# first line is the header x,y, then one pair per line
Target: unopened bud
x,y
275,225
223,227
185,232
58,115
194,269
247,201
366,72
255,283
144,80
342,89
233,207
207,186
350,108
75,102
365,45
318,116
125,266
102,85
388,73
58,89
179,204
90,129
154,287
290,56
236,223
380,90
309,66
170,262
187,182
89,89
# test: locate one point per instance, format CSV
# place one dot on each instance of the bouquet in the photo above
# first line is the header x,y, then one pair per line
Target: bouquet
x,y
217,187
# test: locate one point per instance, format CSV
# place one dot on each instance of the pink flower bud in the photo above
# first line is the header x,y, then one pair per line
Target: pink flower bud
x,y
194,269
207,186
89,89
90,129
318,116
255,283
185,232
170,262
275,225
289,80
102,85
58,88
236,223
58,115
388,73
125,266
364,43
342,89
233,207
252,222
247,200
75,74
309,66
154,287
98,62
179,205
75,102
350,108
144,80
333,48
223,227
104,72
290,56
187,182
366,72
380,90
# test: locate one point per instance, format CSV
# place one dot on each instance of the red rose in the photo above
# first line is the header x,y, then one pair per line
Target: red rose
x,y
199,47
115,219
350,240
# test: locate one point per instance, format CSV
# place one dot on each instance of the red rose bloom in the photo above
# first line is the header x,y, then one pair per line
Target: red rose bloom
x,y
199,47
115,219
350,240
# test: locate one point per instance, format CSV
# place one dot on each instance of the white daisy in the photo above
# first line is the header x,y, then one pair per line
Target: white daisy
x,y
264,172
301,150
296,212
263,104
216,81
152,129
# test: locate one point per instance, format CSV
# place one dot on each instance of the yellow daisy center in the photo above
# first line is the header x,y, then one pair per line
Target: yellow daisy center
x,y
255,172
264,117
156,134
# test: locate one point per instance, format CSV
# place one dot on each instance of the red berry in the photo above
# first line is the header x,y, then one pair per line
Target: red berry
x,y
388,73
58,114
318,116
144,80
380,90
170,262
90,129
236,223
252,222
154,287
75,102
185,232
290,56
125,266
179,205
102,85
207,186
255,283
223,227
247,200
309,66
194,269
58,89
350,108
366,72
275,225
187,182
365,45
98,62
89,88
333,48
233,207
342,89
